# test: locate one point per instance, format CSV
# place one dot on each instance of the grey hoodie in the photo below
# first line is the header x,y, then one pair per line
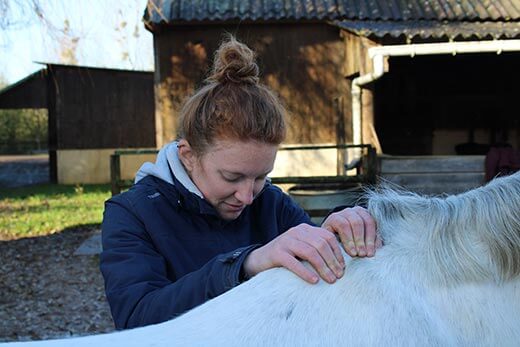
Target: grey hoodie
x,y
167,162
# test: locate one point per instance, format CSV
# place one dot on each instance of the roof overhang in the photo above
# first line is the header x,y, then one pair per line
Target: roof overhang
x,y
427,29
30,92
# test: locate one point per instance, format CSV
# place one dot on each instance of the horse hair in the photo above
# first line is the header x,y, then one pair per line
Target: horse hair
x,y
454,232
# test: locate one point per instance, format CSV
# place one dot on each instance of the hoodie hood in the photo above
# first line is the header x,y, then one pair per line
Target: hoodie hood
x,y
166,166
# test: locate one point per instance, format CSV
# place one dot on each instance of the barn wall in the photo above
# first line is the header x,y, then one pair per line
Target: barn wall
x,y
303,63
92,112
102,108
358,63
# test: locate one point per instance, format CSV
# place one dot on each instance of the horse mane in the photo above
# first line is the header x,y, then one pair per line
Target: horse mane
x,y
472,236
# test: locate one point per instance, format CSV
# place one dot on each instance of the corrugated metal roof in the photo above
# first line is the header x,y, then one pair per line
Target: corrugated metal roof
x,y
175,11
433,29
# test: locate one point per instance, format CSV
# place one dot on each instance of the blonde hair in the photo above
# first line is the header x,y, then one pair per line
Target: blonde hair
x,y
232,104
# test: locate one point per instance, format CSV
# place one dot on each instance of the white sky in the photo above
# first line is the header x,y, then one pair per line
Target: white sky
x,y
93,21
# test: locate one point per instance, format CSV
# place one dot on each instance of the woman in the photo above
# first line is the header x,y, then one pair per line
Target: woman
x,y
204,217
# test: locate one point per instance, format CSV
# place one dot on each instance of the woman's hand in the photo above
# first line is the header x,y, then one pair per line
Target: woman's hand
x,y
318,246
356,229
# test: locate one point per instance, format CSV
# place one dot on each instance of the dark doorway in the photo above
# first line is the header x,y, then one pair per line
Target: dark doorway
x,y
423,95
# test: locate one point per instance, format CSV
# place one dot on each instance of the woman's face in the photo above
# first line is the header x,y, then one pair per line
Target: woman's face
x,y
231,173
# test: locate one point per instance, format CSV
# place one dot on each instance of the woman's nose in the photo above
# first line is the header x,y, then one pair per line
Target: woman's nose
x,y
245,192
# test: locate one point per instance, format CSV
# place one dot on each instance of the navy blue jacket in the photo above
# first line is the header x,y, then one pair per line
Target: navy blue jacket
x,y
165,250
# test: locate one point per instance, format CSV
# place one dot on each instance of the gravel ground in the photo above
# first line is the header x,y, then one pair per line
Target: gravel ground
x,y
48,292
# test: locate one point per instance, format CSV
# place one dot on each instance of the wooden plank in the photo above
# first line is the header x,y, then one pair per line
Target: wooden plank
x,y
446,164
115,174
319,179
435,183
352,47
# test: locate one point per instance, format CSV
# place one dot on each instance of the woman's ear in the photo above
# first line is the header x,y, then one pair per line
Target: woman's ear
x,y
186,154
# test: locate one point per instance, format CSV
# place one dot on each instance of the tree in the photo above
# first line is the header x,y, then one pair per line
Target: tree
x,y
65,34
23,131
68,45
16,14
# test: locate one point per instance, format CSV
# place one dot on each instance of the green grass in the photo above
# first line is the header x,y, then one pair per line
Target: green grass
x,y
49,208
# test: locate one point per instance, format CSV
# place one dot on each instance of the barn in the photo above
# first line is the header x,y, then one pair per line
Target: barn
x,y
429,84
443,93
91,112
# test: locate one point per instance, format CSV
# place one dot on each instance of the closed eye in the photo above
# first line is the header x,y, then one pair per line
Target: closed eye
x,y
232,179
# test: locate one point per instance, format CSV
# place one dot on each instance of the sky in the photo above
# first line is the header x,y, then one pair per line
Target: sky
x,y
108,33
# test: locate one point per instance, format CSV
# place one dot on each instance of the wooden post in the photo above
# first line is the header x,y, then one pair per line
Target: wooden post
x,y
372,167
115,173
340,135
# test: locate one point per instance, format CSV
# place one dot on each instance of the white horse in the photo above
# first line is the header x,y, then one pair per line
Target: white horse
x,y
449,275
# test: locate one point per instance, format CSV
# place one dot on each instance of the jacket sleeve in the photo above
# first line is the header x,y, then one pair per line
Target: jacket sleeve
x,y
137,287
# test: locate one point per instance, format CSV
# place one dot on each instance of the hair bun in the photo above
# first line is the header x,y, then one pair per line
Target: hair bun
x,y
235,63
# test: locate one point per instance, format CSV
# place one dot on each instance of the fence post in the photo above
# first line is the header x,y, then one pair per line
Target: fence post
x,y
115,173
372,169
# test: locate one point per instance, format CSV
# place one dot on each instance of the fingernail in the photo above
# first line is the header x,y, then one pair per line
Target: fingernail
x,y
362,252
353,251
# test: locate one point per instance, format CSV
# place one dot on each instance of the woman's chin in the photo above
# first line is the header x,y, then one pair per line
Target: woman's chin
x,y
230,215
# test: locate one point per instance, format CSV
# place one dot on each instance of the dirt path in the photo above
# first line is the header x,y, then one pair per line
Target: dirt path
x,y
48,292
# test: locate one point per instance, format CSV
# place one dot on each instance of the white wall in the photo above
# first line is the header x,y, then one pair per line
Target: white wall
x,y
93,165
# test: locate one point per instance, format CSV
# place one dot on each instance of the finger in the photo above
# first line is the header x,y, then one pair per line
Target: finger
x,y
334,244
358,231
339,224
327,246
360,224
301,231
369,227
306,252
296,267
319,234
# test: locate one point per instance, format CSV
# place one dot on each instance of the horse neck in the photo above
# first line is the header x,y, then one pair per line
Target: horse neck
x,y
448,240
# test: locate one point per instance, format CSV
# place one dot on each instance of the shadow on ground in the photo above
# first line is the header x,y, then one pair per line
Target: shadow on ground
x,y
48,291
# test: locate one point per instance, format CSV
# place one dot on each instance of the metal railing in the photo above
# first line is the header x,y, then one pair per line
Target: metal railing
x,y
365,169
